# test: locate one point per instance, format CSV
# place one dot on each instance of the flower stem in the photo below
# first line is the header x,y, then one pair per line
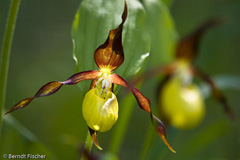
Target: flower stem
x,y
122,124
150,137
88,146
6,48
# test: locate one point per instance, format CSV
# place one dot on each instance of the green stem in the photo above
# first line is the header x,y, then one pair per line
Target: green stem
x,y
149,141
122,124
88,146
7,42
150,137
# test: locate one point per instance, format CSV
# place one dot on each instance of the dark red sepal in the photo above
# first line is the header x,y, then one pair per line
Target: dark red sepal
x,y
110,55
144,104
52,87
85,75
215,91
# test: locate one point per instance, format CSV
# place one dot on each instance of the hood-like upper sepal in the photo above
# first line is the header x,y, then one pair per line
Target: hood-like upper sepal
x,y
110,55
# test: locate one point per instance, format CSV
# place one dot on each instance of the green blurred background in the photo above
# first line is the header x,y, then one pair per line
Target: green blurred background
x,y
42,52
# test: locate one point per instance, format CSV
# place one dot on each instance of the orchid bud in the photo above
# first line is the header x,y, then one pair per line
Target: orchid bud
x,y
100,112
182,105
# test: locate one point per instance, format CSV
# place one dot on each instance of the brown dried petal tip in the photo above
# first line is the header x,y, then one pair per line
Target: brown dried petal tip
x,y
110,55
94,138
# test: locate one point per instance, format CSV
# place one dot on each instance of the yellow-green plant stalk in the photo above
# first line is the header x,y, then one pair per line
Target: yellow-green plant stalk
x,y
5,55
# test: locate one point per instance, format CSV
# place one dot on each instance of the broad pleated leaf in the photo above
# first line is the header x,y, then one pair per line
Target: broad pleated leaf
x,y
161,29
93,21
109,56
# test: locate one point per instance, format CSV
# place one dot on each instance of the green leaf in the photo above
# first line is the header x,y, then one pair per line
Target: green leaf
x,y
122,124
168,2
27,140
161,29
94,19
203,138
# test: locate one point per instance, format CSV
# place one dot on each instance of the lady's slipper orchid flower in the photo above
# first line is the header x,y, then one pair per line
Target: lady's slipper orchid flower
x,y
180,100
100,106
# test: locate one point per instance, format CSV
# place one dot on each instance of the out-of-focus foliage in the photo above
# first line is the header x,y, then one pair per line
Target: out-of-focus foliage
x,y
42,51
216,137
160,27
